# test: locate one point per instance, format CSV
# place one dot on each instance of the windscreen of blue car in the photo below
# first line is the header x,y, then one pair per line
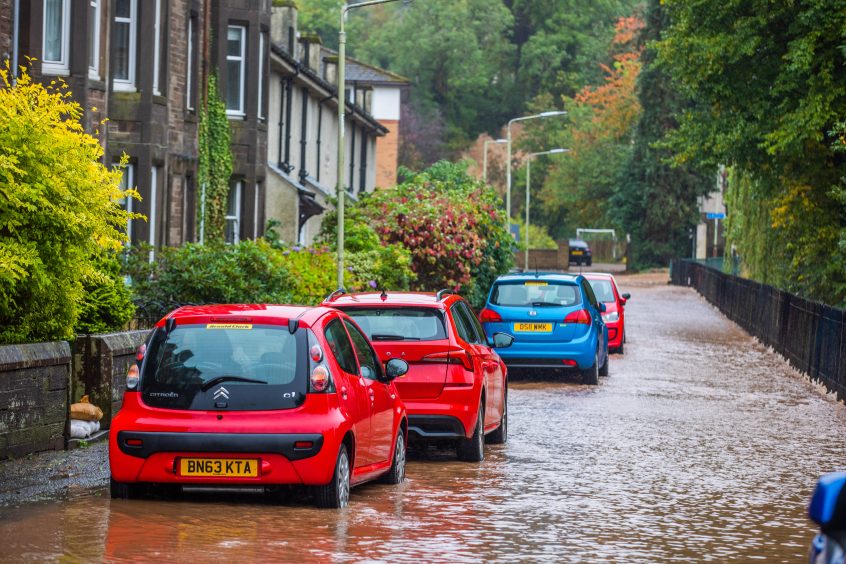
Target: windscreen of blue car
x,y
399,324
225,366
533,293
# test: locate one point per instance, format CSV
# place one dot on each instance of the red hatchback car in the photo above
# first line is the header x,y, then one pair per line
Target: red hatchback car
x,y
605,288
262,396
456,387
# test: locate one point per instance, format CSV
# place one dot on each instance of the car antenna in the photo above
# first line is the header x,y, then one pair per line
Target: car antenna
x,y
383,295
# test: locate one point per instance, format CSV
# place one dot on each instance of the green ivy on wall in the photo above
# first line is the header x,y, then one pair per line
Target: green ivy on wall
x,y
215,166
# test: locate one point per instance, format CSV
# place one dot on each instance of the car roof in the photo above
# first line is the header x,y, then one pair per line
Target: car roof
x,y
549,276
257,313
426,299
599,276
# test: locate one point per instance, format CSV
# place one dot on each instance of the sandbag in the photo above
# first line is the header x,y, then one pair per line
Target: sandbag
x,y
84,411
79,429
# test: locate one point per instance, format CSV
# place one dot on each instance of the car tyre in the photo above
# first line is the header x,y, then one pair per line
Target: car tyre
x,y
336,494
590,262
500,436
603,370
591,375
123,490
396,475
473,449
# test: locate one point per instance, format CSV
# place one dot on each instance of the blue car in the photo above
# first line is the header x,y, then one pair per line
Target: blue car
x,y
828,510
556,322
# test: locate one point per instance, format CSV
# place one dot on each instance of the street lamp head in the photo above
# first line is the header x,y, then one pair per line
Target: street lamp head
x,y
552,114
558,151
501,141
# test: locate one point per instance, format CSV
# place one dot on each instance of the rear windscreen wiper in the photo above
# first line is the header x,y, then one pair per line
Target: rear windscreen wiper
x,y
221,379
378,337
546,304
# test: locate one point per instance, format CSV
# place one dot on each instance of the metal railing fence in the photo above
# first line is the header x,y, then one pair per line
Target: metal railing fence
x,y
810,335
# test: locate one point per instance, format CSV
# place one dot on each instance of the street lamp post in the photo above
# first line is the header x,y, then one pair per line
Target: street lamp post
x,y
485,157
340,191
508,164
528,195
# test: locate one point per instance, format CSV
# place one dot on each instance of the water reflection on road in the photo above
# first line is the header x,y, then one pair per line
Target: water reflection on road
x,y
699,446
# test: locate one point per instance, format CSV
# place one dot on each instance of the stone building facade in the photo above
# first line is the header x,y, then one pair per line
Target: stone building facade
x,y
144,65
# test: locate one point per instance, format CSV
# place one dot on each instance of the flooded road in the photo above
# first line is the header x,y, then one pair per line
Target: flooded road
x,y
700,446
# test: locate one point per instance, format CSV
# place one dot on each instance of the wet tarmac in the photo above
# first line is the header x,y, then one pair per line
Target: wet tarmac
x,y
701,445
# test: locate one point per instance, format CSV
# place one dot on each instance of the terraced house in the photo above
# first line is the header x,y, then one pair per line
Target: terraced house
x,y
144,65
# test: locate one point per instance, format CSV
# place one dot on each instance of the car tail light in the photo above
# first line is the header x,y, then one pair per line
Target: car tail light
x,y
568,362
489,315
132,377
580,317
321,379
303,444
142,350
455,356
134,442
316,353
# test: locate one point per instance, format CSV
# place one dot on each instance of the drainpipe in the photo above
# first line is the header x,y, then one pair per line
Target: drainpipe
x,y
15,25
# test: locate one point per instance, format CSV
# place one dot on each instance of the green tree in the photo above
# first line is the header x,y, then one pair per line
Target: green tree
x,y
58,209
769,84
656,202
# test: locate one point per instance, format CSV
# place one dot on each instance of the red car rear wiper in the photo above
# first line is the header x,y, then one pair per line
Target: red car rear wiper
x,y
221,379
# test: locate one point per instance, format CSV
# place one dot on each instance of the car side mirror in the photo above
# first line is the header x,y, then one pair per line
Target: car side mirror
x,y
627,296
828,505
500,340
602,307
395,368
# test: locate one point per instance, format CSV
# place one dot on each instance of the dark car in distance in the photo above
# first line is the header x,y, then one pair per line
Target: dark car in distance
x,y
580,253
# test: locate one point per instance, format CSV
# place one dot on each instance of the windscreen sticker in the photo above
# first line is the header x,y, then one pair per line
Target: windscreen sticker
x,y
535,284
229,326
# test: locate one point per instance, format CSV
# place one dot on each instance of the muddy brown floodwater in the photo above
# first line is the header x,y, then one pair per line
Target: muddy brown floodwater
x,y
700,446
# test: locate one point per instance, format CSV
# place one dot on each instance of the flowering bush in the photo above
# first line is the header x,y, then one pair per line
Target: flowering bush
x,y
452,225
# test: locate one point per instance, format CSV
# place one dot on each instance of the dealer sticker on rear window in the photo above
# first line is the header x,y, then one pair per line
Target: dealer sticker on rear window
x,y
535,284
229,326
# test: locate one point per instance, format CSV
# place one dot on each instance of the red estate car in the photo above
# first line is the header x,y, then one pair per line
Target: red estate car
x,y
258,395
605,288
456,387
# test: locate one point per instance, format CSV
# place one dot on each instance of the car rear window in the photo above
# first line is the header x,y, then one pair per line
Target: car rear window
x,y
534,293
258,366
603,290
399,324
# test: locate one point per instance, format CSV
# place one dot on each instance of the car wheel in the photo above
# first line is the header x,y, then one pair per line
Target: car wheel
x,y
589,262
500,436
591,375
122,490
603,371
622,345
473,449
336,493
396,475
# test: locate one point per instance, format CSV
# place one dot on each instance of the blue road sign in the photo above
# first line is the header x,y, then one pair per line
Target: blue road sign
x,y
716,216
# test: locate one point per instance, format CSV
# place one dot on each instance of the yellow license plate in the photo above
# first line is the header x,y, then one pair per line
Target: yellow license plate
x,y
533,327
219,467
576,252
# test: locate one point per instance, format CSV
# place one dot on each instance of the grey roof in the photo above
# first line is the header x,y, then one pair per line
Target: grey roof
x,y
357,71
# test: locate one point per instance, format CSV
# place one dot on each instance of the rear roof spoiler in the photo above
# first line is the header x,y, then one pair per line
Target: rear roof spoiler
x,y
335,294
445,292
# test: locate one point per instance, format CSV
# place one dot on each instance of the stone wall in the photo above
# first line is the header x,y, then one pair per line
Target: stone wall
x,y
556,260
34,381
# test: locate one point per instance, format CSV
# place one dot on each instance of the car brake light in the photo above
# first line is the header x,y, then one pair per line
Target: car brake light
x,y
580,317
316,353
132,377
320,379
142,350
568,362
459,356
489,315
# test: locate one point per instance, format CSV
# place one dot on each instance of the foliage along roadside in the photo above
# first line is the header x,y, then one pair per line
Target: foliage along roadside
x,y
58,210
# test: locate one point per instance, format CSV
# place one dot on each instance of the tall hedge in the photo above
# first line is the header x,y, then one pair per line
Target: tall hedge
x,y
58,209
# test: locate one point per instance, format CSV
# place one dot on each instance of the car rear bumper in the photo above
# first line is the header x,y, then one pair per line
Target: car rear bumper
x,y
451,415
550,355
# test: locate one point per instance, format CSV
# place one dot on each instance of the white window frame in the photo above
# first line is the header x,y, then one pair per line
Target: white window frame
x,y
189,79
236,193
61,66
94,70
262,43
128,84
127,182
157,48
242,79
154,187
